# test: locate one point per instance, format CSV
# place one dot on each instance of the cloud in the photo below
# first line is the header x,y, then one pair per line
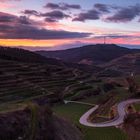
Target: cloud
x,y
4,17
7,18
28,32
102,7
52,6
23,28
30,12
50,20
89,15
54,16
125,14
23,20
116,36
62,6
105,12
112,13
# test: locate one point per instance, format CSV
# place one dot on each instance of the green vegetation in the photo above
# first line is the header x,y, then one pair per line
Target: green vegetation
x,y
137,106
73,112
21,82
9,107
137,79
34,121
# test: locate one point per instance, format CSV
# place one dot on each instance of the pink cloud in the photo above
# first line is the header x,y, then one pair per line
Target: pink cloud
x,y
5,6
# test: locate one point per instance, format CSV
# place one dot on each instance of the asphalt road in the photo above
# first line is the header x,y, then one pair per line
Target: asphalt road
x,y
116,121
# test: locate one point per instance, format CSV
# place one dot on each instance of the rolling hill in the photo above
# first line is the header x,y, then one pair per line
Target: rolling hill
x,y
25,75
27,78
91,54
127,63
22,55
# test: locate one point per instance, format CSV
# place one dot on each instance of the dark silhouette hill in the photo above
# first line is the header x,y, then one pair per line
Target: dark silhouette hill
x,y
90,54
22,55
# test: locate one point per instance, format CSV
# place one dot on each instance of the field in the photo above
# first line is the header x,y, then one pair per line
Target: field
x,y
72,112
137,107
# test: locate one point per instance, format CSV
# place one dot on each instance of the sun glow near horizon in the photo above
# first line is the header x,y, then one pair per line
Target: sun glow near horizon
x,y
54,43
55,24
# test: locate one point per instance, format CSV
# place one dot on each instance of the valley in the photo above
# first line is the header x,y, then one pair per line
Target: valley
x,y
68,90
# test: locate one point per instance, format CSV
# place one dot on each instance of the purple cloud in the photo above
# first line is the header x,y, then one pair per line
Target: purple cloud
x,y
89,15
125,14
102,7
50,20
30,12
21,28
115,36
52,6
62,6
7,18
29,32
54,15
4,17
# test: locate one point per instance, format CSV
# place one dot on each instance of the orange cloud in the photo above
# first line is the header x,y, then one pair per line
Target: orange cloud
x,y
32,43
56,43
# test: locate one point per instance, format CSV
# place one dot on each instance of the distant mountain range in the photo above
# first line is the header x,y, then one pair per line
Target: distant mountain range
x,y
103,60
21,55
90,54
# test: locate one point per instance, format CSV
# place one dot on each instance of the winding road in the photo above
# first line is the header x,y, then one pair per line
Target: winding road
x,y
83,103
116,121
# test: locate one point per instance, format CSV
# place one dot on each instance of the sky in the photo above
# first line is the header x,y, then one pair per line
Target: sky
x,y
62,24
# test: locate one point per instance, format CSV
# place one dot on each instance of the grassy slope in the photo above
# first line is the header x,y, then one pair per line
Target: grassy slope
x,y
137,106
73,112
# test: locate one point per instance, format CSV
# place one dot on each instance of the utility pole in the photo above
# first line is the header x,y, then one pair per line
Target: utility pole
x,y
104,40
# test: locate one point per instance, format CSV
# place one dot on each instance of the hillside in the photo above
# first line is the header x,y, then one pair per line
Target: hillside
x,y
132,126
127,63
91,54
36,123
25,75
23,82
22,55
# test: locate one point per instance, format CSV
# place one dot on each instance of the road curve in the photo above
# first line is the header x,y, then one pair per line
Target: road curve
x,y
116,121
77,102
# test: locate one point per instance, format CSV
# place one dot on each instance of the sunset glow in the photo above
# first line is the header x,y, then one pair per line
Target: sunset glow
x,y
55,24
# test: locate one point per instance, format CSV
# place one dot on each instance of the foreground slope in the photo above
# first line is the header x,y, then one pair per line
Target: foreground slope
x,y
36,123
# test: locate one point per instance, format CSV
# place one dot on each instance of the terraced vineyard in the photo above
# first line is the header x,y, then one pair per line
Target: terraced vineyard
x,y
50,84
23,81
